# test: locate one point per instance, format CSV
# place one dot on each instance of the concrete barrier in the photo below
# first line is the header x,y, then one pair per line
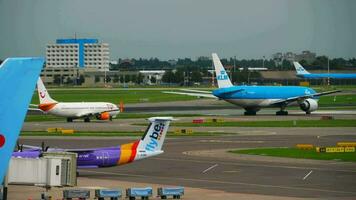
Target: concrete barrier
x,y
305,146
335,149
183,131
67,131
346,144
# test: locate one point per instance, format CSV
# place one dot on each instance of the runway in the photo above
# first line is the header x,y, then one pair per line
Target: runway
x,y
183,163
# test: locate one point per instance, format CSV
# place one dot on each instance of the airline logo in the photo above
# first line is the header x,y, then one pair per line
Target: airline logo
x,y
222,76
300,69
42,94
2,140
155,137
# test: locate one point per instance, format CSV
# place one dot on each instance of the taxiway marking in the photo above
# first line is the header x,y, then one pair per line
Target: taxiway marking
x,y
306,176
221,182
210,168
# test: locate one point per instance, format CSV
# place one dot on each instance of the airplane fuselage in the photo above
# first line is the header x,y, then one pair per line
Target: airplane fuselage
x,y
79,109
260,96
99,157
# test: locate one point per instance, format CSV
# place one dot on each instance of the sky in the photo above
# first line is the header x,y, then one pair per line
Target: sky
x,y
171,29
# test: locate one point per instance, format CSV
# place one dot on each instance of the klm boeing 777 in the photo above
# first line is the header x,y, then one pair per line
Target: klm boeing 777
x,y
253,98
18,78
301,72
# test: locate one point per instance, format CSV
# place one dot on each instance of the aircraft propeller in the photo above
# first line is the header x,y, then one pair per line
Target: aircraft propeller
x,y
43,147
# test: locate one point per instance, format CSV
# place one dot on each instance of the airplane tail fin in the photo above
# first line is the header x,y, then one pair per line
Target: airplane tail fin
x,y
299,68
221,75
21,74
43,94
155,134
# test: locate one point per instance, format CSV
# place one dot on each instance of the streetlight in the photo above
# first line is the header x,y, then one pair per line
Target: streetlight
x,y
233,74
328,72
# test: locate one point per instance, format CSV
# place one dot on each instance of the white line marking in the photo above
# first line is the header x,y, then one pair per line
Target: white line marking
x,y
306,176
210,168
219,182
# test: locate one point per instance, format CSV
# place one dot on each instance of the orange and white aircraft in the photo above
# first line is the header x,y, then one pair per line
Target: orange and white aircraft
x,y
74,110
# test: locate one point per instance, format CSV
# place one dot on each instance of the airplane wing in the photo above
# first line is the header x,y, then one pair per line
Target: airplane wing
x,y
192,94
196,91
300,98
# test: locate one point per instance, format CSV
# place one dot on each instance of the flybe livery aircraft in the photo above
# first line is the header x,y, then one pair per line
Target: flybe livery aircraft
x,y
301,72
149,145
74,110
17,82
253,98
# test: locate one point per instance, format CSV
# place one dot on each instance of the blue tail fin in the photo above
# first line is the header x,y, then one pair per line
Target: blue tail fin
x,y
18,78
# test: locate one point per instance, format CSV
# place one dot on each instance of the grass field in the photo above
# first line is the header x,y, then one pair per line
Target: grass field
x,y
298,153
150,95
292,123
112,95
45,117
118,134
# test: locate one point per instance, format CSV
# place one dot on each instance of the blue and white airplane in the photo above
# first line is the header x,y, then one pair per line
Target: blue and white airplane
x,y
18,77
253,98
301,72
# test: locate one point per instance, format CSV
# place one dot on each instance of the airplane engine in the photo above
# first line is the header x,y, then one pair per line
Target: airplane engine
x,y
309,105
104,116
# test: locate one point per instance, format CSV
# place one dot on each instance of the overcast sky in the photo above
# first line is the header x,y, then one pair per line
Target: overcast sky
x,y
182,28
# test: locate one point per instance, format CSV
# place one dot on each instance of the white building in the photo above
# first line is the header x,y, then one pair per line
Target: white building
x,y
87,54
148,75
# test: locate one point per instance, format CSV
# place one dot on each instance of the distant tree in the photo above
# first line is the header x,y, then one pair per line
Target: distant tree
x,y
196,76
116,78
57,79
168,77
108,79
97,79
81,79
133,78
303,62
127,78
139,78
69,80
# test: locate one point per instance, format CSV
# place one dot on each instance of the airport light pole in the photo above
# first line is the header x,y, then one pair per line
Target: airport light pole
x,y
234,73
328,72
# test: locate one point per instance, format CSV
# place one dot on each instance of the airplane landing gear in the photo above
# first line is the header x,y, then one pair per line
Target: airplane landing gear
x,y
282,112
87,119
69,119
251,111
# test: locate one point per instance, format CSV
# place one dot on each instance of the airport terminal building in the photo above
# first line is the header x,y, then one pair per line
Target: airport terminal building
x,y
82,53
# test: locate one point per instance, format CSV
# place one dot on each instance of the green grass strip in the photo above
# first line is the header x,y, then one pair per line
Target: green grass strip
x,y
290,123
298,153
